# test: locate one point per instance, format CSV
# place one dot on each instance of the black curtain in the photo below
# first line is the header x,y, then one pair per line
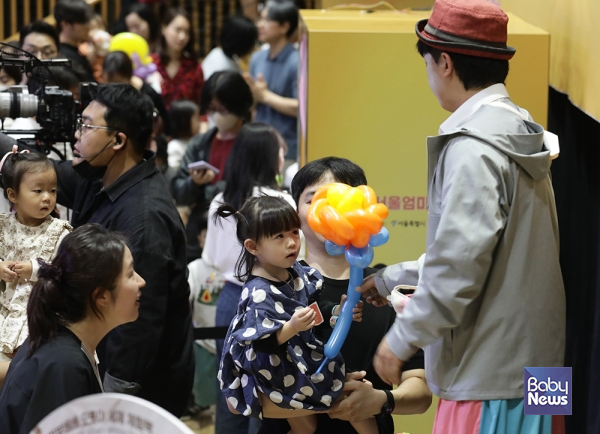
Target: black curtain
x,y
576,179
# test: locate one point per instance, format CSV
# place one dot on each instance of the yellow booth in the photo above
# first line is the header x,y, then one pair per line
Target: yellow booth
x,y
364,96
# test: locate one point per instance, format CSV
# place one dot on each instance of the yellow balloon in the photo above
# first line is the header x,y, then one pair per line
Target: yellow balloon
x,y
351,201
336,193
131,43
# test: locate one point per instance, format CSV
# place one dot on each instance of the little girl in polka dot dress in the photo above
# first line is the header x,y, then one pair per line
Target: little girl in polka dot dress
x,y
271,351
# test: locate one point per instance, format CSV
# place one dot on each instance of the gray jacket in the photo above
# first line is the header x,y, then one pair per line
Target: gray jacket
x,y
490,300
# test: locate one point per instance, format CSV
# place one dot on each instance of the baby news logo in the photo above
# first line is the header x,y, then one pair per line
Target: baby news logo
x,y
548,391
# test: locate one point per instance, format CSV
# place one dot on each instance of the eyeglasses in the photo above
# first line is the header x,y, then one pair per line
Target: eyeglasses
x,y
46,53
80,127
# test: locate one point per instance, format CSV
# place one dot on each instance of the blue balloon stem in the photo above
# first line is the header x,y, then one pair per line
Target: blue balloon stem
x,y
322,364
338,336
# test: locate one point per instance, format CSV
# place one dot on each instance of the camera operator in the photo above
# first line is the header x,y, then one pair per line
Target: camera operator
x,y
113,181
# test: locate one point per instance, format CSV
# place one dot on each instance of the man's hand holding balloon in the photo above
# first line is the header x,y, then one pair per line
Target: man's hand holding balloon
x,y
351,221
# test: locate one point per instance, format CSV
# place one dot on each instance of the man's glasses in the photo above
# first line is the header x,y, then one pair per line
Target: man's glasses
x,y
81,127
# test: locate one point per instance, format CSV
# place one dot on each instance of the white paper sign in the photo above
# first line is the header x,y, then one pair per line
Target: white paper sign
x,y
113,413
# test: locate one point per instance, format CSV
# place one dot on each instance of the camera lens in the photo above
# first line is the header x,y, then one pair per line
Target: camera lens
x,y
17,105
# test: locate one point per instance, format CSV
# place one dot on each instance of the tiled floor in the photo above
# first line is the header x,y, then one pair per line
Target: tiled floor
x,y
202,424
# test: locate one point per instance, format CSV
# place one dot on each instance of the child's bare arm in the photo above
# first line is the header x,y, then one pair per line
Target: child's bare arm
x,y
303,319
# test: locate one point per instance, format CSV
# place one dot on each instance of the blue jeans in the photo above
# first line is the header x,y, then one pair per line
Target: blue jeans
x,y
225,421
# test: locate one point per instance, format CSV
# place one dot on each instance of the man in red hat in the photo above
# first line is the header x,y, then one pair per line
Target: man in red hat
x,y
490,298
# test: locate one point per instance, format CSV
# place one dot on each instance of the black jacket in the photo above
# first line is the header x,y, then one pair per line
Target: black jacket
x,y
184,189
153,356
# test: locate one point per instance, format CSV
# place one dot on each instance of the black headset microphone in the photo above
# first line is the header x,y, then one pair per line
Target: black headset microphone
x,y
117,142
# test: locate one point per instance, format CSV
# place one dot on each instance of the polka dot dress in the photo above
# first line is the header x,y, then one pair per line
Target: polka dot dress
x,y
287,377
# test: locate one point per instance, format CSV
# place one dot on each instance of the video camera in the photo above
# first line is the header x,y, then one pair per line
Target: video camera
x,y
54,109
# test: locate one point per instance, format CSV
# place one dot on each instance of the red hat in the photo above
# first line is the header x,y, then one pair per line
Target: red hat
x,y
471,27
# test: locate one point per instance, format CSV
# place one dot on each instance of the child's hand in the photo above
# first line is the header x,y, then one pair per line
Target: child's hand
x,y
356,312
303,319
23,269
7,272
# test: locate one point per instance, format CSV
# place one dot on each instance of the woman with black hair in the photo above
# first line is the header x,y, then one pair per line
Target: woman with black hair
x,y
252,168
142,21
89,288
226,99
176,59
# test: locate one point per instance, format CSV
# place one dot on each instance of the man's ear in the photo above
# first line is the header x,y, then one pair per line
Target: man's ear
x,y
447,64
12,196
250,245
120,140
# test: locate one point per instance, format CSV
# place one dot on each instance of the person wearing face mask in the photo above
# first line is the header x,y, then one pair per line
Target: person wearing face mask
x,y
226,99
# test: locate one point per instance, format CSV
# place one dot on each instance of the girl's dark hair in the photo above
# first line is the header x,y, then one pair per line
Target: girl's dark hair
x,y
13,72
238,37
260,217
231,90
119,63
90,257
283,11
180,118
16,165
146,13
188,50
253,162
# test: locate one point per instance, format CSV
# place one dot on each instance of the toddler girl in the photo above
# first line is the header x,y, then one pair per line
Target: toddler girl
x,y
29,182
271,348
184,122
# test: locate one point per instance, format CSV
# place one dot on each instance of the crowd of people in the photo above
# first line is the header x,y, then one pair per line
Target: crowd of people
x,y
179,216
